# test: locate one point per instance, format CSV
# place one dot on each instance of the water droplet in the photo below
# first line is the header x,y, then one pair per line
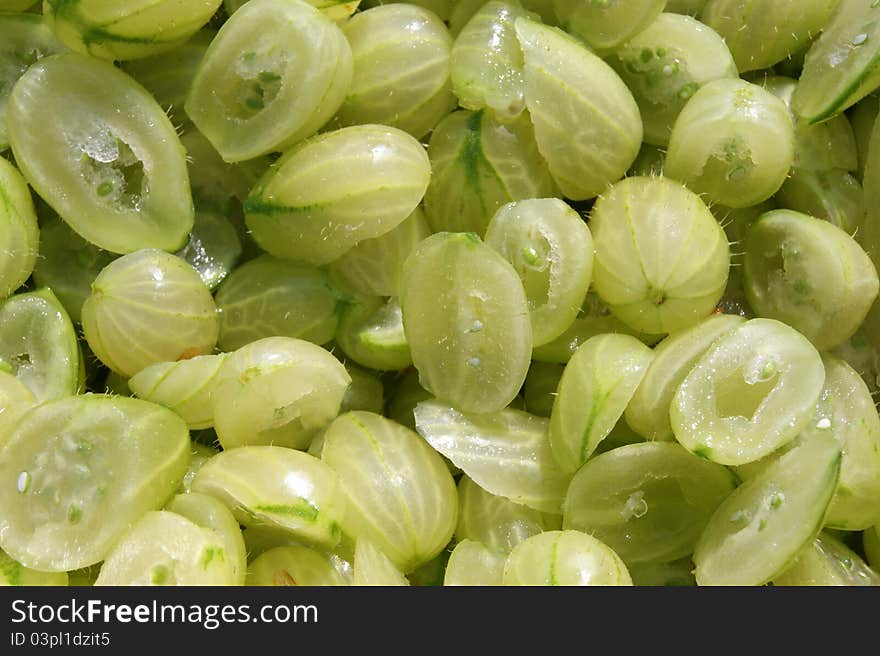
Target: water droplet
x,y
476,327
860,39
824,422
473,362
24,482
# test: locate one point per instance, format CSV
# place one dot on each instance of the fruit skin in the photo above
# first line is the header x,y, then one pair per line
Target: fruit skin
x,y
148,307
466,319
661,259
